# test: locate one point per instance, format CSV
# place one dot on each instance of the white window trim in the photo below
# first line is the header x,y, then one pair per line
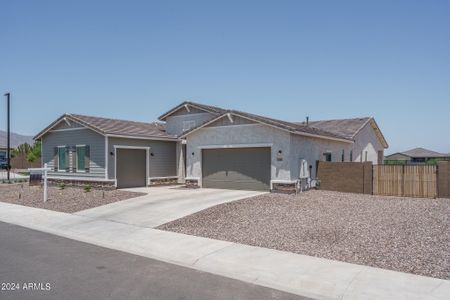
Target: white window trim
x,y
76,159
61,170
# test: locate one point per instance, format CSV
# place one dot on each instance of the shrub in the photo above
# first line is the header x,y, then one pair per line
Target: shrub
x,y
87,188
62,186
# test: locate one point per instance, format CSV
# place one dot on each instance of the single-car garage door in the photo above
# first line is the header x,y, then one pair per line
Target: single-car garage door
x,y
131,169
236,168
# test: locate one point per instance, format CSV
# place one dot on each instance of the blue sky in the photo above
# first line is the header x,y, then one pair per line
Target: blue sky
x,y
284,59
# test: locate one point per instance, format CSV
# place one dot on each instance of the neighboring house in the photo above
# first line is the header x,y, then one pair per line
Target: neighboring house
x,y
414,156
15,141
206,146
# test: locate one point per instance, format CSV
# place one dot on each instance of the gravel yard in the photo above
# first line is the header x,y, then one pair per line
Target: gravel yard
x,y
69,199
401,234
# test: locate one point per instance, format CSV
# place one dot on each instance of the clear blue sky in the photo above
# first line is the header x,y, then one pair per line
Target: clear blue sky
x,y
284,59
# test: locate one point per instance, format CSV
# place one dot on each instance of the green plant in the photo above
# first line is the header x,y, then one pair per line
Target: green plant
x,y
62,186
87,188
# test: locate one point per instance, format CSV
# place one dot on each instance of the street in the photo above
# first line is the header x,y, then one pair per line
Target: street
x,y
37,265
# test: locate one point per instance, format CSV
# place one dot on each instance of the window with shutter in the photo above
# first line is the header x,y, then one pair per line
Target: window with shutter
x,y
81,158
62,158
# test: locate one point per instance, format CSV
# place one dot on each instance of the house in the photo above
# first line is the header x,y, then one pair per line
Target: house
x,y
414,156
204,146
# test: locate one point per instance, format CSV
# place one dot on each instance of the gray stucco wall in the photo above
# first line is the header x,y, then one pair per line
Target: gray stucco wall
x,y
367,141
312,149
174,124
239,136
162,164
83,136
294,147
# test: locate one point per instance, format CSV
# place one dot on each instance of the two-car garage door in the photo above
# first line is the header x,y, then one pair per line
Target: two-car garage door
x,y
236,168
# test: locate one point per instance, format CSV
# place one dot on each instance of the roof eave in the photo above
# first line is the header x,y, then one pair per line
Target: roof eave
x,y
61,118
267,124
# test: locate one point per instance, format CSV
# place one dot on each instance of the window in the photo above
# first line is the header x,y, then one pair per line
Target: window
x,y
2,155
343,155
62,159
188,125
327,156
81,158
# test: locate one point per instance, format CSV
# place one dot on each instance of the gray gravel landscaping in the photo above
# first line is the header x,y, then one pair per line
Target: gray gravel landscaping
x,y
69,199
402,234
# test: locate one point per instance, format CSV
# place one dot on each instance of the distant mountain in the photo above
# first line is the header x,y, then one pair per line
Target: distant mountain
x,y
16,139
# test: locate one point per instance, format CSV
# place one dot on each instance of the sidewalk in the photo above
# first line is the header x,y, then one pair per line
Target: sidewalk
x,y
294,273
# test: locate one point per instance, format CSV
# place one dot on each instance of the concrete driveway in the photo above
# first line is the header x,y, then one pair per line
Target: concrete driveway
x,y
163,204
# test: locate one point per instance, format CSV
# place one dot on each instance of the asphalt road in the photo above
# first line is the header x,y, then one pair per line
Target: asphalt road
x,y
45,266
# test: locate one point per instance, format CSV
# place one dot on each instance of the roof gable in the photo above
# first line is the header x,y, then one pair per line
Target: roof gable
x,y
187,105
113,127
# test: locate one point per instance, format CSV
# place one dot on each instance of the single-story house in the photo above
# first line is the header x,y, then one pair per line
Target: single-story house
x,y
414,156
205,146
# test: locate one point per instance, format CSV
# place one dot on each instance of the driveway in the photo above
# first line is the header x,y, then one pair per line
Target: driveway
x,y
163,204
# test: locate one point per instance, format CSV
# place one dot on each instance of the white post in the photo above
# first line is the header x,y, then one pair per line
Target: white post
x,y
45,182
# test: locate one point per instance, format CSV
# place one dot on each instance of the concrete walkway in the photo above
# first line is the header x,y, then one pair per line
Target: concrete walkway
x,y
163,204
299,274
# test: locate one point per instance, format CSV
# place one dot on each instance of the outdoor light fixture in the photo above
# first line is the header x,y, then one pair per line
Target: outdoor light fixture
x,y
192,153
280,155
152,154
111,153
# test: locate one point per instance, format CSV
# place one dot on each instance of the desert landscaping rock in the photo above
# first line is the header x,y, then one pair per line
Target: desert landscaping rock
x,y
69,199
402,234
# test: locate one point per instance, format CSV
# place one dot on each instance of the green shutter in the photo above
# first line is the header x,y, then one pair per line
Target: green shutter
x,y
81,158
55,159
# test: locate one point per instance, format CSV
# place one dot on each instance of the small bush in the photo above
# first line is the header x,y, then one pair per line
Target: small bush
x,y
62,186
87,188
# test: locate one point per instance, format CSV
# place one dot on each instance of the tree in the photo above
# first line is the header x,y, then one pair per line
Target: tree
x,y
32,153
35,152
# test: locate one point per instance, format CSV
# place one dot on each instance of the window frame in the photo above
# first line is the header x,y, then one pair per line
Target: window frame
x,y
77,170
65,159
326,155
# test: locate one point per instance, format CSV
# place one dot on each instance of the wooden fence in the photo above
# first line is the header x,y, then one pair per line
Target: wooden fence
x,y
405,180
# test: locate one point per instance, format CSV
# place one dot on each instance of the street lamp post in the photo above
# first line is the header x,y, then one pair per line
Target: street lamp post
x,y
8,137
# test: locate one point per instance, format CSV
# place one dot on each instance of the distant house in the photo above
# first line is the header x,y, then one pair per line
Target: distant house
x,y
16,140
414,156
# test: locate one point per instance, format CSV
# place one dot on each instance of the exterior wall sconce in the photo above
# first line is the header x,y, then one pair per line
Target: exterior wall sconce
x,y
192,153
152,154
111,153
280,155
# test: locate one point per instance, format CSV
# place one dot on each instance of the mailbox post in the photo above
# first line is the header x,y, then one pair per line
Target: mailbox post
x,y
41,173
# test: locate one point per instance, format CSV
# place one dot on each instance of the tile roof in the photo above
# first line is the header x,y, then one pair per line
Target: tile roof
x,y
346,128
294,127
422,152
108,126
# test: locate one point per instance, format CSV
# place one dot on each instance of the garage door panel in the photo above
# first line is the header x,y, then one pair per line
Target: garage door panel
x,y
131,168
237,168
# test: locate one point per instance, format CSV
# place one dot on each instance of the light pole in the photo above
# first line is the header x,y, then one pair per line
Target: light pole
x,y
8,136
